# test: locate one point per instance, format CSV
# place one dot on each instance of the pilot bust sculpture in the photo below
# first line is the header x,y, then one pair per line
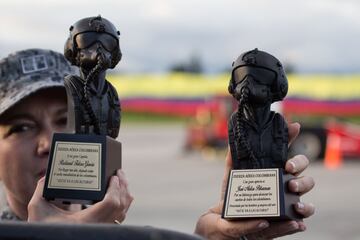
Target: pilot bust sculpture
x,y
258,137
93,103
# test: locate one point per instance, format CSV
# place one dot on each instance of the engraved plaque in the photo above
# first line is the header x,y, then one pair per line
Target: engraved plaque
x,y
253,192
76,166
80,166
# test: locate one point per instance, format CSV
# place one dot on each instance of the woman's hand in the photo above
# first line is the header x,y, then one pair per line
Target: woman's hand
x,y
212,226
113,207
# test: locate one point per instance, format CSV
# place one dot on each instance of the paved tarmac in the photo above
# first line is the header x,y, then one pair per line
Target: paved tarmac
x,y
173,188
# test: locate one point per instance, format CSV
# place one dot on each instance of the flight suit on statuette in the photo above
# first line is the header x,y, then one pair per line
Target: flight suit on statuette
x,y
105,104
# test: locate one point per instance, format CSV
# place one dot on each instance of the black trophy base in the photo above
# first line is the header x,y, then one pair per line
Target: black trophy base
x,y
259,193
80,166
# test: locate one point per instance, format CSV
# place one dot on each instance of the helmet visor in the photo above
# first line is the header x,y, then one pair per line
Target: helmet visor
x,y
85,40
262,76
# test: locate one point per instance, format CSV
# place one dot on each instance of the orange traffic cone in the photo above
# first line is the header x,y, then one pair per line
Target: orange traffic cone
x,y
333,154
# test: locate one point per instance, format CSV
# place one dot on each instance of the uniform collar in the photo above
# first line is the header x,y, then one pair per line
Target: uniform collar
x,y
6,214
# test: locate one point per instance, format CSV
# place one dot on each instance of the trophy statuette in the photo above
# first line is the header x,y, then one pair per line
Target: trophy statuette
x,y
83,159
258,139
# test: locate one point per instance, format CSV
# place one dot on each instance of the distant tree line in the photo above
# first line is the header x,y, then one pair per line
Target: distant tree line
x,y
193,65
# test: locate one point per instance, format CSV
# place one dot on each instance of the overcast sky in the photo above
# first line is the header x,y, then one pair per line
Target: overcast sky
x,y
312,35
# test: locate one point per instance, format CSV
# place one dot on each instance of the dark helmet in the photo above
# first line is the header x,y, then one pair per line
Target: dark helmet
x,y
90,26
260,59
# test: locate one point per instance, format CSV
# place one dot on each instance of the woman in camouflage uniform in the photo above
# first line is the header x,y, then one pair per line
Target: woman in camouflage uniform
x,y
32,107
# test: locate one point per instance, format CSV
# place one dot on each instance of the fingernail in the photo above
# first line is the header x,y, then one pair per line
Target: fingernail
x,y
293,166
116,179
296,186
302,227
294,225
300,206
263,225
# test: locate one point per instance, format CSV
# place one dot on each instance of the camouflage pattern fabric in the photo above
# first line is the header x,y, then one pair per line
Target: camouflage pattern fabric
x,y
28,71
6,214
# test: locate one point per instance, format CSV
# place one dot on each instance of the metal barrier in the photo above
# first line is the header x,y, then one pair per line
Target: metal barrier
x,y
39,231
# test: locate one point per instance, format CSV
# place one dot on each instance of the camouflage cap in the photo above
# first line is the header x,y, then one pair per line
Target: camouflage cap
x,y
25,72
